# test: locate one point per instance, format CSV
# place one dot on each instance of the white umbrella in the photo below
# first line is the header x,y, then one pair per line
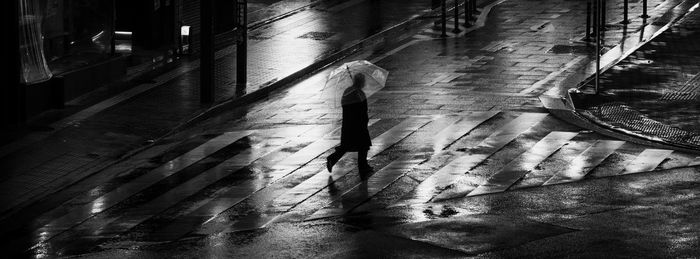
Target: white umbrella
x,y
340,80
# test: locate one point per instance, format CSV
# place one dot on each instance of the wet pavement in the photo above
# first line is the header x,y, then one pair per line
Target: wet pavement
x,y
653,93
467,163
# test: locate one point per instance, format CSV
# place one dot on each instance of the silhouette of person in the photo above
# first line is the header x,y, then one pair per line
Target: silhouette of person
x,y
354,135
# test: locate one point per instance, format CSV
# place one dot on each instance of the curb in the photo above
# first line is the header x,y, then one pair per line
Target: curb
x,y
562,108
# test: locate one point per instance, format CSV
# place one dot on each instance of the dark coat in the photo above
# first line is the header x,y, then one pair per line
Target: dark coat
x,y
354,135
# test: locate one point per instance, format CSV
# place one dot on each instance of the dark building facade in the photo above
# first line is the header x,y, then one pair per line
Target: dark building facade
x,y
66,48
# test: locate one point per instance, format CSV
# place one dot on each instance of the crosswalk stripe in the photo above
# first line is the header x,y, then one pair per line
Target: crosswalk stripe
x,y
109,225
98,205
435,183
228,197
365,190
582,164
137,214
90,223
525,163
648,160
395,134
455,131
319,181
397,168
695,162
233,195
264,146
236,194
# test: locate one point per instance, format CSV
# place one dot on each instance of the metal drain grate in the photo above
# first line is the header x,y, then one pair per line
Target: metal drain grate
x,y
688,92
317,35
622,117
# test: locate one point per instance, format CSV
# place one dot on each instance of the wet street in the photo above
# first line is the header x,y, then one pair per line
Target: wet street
x,y
467,160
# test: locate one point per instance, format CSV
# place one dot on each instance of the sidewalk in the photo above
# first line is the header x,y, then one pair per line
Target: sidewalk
x,y
279,53
653,94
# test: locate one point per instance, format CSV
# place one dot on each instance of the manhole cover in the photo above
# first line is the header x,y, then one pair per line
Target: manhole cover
x,y
317,35
577,49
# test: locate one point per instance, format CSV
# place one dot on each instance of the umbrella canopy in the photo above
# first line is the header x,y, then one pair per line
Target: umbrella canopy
x,y
347,82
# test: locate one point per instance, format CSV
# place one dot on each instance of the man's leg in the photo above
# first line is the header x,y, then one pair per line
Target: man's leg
x,y
362,158
362,165
334,158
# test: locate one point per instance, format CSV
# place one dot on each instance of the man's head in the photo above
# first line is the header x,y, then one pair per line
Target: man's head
x,y
358,81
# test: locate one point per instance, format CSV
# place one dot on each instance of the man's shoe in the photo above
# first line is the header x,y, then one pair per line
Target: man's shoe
x,y
329,165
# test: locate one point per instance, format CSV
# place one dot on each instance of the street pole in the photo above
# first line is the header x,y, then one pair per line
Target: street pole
x,y
467,13
644,10
596,20
444,19
206,86
241,47
625,17
113,40
588,20
597,49
14,95
602,14
456,29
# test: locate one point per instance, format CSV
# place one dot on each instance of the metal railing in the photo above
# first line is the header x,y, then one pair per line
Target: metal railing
x,y
596,21
469,11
